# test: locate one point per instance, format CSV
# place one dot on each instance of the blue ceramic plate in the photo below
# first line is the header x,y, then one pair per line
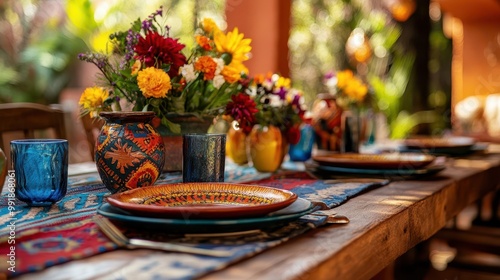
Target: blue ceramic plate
x,y
290,213
451,151
453,145
433,169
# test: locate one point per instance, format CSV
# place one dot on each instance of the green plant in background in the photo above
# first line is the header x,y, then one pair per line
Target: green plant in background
x,y
36,51
317,43
41,39
94,20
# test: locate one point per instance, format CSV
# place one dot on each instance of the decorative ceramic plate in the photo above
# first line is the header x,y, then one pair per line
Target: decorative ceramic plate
x,y
378,161
449,145
290,213
402,172
203,200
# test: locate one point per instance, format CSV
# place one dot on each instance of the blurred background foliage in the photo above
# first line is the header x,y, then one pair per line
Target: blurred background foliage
x,y
404,57
41,39
36,51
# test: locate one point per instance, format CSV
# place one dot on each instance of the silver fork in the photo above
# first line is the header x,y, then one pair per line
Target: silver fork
x,y
121,240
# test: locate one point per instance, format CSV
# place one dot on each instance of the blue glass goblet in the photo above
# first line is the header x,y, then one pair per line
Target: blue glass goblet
x,y
41,170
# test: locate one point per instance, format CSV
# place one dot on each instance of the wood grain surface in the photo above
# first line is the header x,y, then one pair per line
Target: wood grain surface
x,y
384,224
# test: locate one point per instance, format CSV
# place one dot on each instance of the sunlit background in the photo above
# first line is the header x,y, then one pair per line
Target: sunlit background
x,y
397,46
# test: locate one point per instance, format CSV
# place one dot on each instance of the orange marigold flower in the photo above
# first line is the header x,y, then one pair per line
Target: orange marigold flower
x,y
356,89
204,42
343,78
154,82
231,74
206,65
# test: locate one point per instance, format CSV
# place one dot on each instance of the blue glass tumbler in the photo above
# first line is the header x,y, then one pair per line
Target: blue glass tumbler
x,y
41,170
203,157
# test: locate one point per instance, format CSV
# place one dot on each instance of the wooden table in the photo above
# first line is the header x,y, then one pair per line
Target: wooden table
x,y
384,224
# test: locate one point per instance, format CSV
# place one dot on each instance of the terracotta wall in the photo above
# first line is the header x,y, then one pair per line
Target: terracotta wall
x,y
267,23
475,30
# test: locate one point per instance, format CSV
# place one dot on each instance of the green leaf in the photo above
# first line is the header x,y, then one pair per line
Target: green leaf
x,y
173,127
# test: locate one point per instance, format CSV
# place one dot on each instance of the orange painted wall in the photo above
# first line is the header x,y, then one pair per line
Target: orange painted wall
x,y
476,43
267,23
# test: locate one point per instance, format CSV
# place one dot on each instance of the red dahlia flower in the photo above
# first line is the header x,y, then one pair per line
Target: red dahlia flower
x,y
243,109
155,51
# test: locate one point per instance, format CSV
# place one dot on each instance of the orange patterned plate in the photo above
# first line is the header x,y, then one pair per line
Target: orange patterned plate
x,y
379,161
202,200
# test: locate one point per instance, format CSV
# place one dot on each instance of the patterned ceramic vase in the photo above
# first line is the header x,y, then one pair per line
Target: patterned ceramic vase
x,y
326,121
129,151
268,148
236,146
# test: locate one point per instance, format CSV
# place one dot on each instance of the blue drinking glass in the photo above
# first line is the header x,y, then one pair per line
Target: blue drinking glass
x,y
203,157
41,170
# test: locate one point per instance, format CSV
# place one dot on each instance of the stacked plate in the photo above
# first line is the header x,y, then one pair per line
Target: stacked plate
x,y
452,146
205,207
395,164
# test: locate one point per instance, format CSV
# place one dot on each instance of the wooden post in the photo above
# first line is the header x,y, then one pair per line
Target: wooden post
x,y
267,23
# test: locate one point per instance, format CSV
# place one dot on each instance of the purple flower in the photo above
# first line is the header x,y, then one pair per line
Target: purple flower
x,y
281,92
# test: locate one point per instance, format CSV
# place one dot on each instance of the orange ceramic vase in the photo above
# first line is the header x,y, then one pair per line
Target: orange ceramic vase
x,y
268,148
236,146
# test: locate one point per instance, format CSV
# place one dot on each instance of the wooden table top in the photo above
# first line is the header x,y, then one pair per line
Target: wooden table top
x,y
384,223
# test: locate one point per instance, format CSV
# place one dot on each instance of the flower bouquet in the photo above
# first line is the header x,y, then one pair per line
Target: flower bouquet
x,y
268,101
352,95
148,70
269,112
349,90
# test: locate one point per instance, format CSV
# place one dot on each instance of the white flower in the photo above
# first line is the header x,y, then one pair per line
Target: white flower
x,y
218,81
275,100
331,84
268,85
188,72
252,92
220,65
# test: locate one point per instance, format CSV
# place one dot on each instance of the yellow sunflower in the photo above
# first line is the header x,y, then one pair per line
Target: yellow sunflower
x,y
235,46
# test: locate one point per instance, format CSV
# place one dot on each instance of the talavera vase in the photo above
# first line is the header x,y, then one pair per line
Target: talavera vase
x,y
129,152
268,148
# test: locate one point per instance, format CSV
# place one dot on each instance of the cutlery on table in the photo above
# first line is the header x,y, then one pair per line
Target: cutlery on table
x,y
121,240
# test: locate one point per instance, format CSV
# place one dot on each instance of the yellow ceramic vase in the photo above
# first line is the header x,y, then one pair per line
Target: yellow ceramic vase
x,y
236,146
267,148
